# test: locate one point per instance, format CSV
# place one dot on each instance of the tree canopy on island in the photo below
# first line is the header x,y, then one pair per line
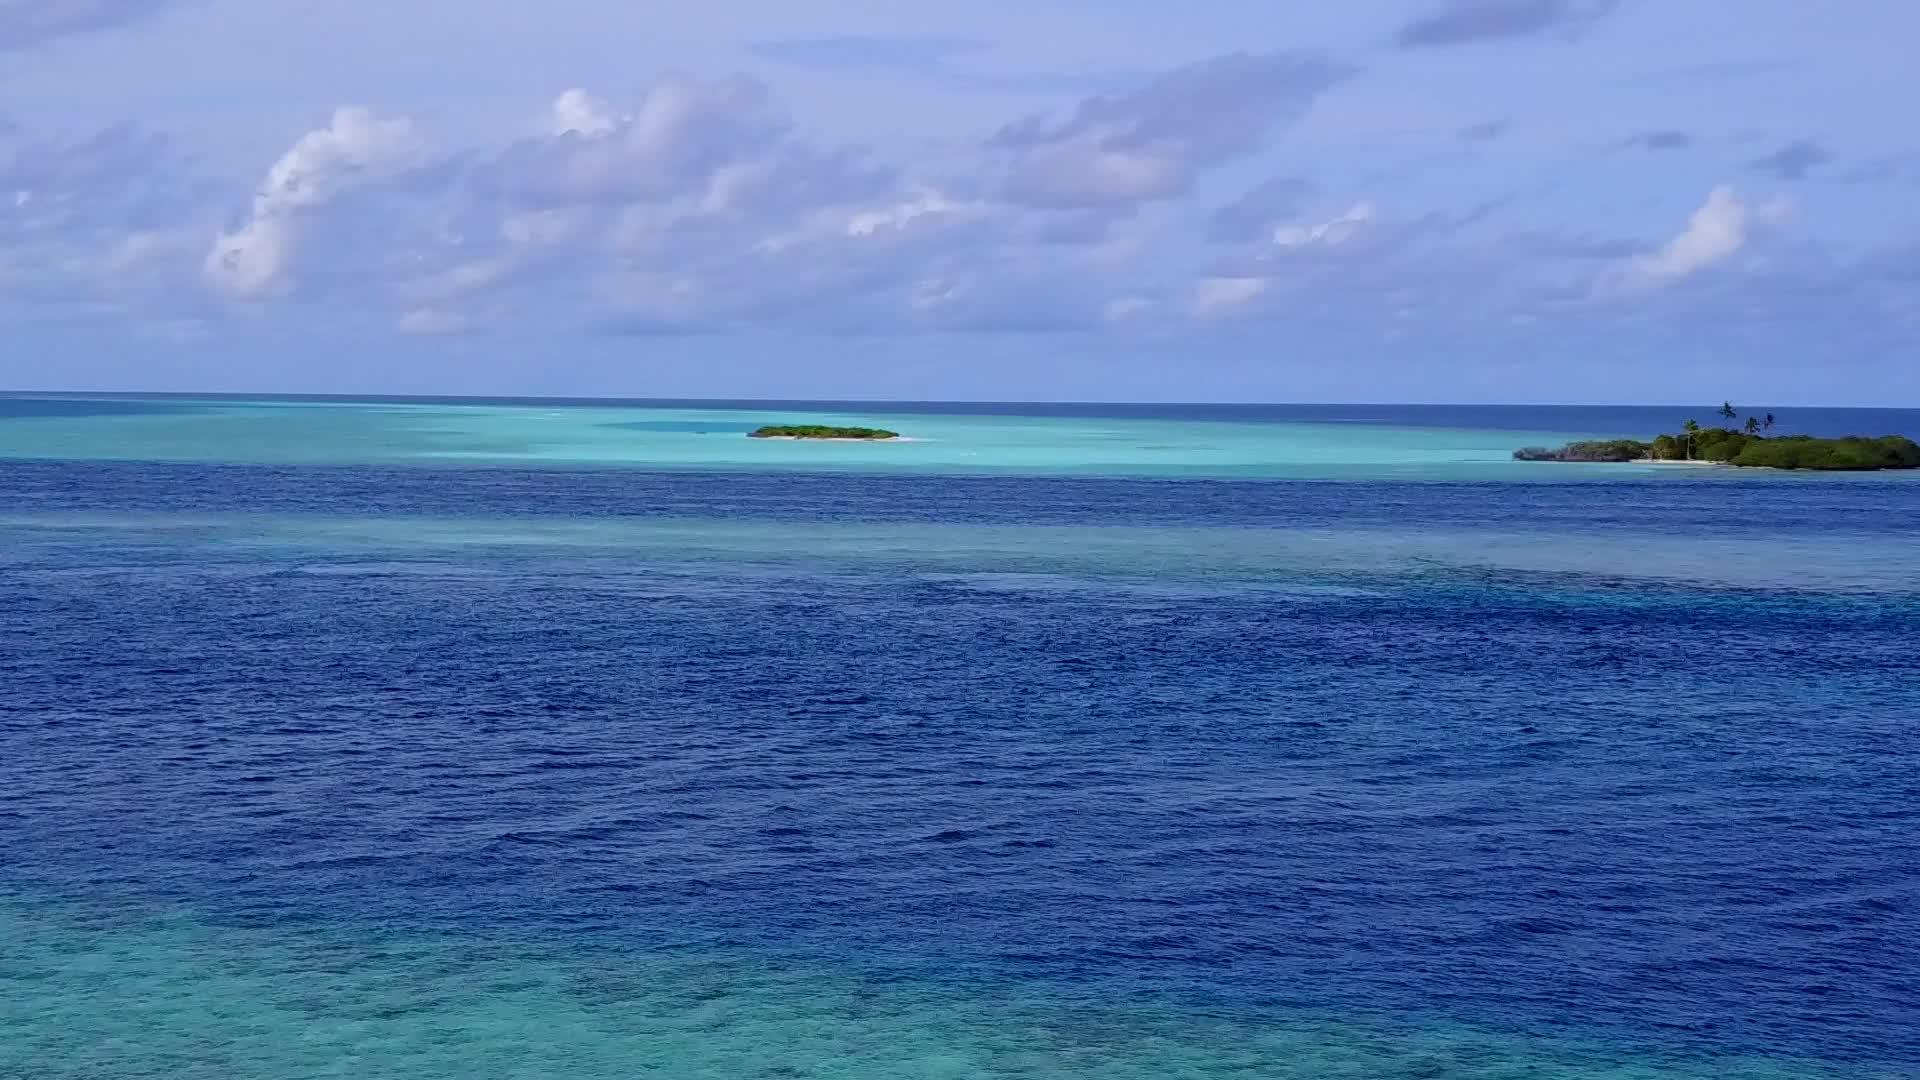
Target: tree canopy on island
x,y
820,431
1744,447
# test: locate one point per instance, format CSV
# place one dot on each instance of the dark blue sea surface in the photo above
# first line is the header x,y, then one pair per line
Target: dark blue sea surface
x,y
778,775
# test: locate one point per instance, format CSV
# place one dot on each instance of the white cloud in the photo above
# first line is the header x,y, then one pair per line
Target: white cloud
x,y
1714,233
577,111
1325,233
922,204
1223,295
356,150
698,205
700,202
679,136
249,261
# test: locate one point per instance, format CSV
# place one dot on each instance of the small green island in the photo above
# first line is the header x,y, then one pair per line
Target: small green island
x,y
822,431
1749,446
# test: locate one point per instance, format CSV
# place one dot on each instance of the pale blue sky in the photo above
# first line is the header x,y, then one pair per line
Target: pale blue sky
x,y
1444,200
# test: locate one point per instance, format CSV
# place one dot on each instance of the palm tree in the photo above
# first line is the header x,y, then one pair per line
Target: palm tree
x,y
1727,411
1753,426
1768,422
1693,429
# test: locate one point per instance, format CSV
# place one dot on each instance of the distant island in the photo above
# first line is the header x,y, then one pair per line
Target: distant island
x,y
821,431
1746,447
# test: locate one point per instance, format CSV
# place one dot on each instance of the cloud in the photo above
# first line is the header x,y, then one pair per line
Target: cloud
x,y
700,206
1259,210
25,24
355,150
98,225
1216,296
692,167
123,173
1120,150
1714,233
649,208
681,133
576,112
1356,271
696,207
1794,160
1661,139
1330,233
1462,22
920,205
1363,276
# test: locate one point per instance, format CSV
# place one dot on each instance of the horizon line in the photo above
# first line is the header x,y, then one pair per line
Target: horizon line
x,y
684,400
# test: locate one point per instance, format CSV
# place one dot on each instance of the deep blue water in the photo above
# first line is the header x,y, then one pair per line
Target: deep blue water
x,y
20,406
1631,764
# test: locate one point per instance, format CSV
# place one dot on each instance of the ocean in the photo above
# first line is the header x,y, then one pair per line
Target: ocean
x,y
489,738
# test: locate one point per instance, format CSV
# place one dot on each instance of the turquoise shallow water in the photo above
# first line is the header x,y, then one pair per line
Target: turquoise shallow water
x,y
98,992
1351,442
705,438
328,750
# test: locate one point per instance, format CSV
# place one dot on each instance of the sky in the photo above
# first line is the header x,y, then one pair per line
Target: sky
x,y
1630,201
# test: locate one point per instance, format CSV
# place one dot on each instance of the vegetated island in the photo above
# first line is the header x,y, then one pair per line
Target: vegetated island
x,y
1747,446
822,431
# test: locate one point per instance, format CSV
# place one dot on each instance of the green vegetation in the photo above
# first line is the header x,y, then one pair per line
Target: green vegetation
x,y
1746,447
1852,453
820,431
1605,450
